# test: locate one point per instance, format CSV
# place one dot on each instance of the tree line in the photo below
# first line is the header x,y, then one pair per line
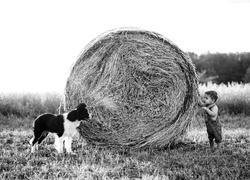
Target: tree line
x,y
222,67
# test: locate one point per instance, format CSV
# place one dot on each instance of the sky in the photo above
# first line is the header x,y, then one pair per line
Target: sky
x,y
40,40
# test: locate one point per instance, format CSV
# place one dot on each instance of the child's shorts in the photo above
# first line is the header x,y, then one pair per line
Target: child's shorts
x,y
214,131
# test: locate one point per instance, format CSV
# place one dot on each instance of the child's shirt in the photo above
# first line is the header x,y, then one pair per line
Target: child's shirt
x,y
209,117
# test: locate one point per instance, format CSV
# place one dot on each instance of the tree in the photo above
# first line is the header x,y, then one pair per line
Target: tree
x,y
204,78
221,67
246,77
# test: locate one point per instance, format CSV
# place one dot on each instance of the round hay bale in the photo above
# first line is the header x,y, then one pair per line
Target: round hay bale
x,y
140,88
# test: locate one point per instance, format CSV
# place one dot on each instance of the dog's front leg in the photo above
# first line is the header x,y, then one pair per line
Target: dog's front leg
x,y
68,143
59,144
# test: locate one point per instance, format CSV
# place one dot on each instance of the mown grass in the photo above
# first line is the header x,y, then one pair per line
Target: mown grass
x,y
189,158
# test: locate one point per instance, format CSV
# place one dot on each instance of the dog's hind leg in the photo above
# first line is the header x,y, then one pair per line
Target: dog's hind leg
x,y
34,139
43,136
32,145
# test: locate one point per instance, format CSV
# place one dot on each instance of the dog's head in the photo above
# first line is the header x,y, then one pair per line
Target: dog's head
x,y
80,113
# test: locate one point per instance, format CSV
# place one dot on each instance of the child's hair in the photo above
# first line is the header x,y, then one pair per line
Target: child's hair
x,y
212,94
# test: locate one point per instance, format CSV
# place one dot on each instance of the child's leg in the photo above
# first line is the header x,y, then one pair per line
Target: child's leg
x,y
211,142
218,145
218,135
210,134
211,139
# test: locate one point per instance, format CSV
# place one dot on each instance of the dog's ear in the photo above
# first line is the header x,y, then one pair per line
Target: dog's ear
x,y
72,115
82,112
82,105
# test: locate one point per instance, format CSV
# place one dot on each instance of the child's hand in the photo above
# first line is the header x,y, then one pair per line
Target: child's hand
x,y
205,108
200,103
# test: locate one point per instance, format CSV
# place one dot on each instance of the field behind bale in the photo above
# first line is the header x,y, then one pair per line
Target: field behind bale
x,y
233,99
26,104
190,158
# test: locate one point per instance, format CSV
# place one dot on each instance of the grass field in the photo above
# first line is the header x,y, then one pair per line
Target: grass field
x,y
190,158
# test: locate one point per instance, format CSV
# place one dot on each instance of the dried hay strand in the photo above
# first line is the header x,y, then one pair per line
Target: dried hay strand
x,y
140,88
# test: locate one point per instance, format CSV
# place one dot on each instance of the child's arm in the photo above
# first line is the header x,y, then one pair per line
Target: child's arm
x,y
213,112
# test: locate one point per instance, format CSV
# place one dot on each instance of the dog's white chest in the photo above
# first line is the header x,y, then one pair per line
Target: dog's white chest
x,y
70,127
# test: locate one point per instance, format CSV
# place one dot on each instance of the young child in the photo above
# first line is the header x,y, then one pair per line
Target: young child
x,y
211,119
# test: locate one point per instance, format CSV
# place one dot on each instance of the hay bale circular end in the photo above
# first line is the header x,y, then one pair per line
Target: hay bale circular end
x,y
140,88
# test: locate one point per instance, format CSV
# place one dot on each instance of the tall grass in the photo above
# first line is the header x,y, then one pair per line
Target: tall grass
x,y
29,104
233,98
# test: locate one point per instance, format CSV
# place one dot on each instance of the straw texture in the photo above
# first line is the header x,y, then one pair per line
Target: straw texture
x,y
140,88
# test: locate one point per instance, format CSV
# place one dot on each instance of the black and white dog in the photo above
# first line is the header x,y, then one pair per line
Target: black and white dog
x,y
63,126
